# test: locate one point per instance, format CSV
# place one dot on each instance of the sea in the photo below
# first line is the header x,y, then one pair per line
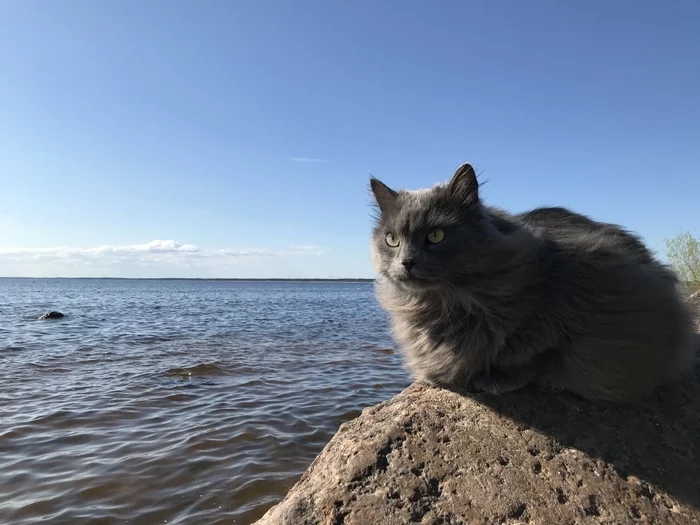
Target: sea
x,y
178,401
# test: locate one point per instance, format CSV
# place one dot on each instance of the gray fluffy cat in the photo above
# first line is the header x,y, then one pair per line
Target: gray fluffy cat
x,y
487,300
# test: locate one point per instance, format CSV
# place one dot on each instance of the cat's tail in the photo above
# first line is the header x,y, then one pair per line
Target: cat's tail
x,y
692,305
689,367
696,354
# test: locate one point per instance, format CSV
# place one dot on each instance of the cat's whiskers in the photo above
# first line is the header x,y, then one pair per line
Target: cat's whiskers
x,y
365,285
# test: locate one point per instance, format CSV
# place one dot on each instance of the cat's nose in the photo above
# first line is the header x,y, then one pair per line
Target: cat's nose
x,y
408,264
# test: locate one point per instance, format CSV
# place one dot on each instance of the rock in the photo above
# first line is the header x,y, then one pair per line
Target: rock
x,y
694,302
52,315
433,456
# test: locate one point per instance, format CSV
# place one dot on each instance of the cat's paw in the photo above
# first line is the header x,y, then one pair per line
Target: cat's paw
x,y
497,383
487,385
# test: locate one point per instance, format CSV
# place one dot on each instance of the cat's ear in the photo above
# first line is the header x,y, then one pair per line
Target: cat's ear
x,y
384,195
463,184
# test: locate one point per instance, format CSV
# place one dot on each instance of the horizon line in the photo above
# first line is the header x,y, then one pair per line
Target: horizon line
x,y
325,279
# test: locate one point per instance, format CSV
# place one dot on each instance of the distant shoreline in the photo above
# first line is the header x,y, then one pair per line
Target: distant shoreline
x,y
214,279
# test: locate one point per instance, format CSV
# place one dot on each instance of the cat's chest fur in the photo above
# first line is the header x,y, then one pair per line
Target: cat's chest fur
x,y
444,340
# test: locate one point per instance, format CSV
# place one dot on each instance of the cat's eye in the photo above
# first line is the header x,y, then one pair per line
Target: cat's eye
x,y
436,236
392,240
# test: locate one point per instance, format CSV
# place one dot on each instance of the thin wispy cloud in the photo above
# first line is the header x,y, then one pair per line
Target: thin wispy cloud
x,y
309,160
308,249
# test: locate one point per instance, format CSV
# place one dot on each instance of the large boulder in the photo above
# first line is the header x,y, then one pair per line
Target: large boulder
x,y
433,456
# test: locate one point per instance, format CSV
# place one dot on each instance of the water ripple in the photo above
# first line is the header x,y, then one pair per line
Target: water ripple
x,y
178,401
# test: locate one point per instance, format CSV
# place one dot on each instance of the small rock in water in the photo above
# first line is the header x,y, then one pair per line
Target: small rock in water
x,y
52,315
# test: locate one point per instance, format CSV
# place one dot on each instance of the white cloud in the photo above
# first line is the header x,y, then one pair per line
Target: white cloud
x,y
151,247
156,258
308,160
308,249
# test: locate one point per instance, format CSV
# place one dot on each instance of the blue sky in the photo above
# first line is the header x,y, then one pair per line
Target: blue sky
x,y
235,139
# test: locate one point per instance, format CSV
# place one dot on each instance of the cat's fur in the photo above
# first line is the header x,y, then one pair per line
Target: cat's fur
x,y
549,296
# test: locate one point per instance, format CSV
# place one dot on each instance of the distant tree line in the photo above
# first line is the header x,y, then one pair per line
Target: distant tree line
x,y
683,252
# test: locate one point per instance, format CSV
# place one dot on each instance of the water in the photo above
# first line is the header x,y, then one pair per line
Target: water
x,y
177,401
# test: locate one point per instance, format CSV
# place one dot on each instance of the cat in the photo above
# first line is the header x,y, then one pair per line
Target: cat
x,y
482,299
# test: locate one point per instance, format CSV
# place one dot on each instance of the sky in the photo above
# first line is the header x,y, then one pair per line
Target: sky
x,y
175,138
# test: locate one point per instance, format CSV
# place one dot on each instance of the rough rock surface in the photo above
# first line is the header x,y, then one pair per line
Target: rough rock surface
x,y
51,315
433,456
